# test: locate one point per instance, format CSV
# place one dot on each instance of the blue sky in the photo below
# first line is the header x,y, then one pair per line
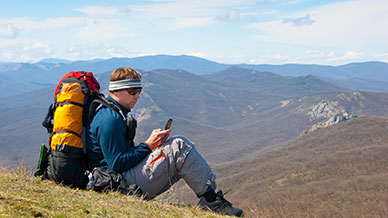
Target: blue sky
x,y
330,32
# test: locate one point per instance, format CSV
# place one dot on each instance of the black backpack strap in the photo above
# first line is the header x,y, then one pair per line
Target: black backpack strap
x,y
47,122
104,179
129,121
100,102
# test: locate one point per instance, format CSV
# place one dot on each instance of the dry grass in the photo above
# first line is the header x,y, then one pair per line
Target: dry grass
x,y
25,196
340,171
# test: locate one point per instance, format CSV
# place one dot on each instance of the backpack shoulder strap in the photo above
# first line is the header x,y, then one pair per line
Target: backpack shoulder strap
x,y
101,101
129,121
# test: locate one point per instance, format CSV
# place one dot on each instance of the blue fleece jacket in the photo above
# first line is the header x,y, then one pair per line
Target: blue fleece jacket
x,y
107,145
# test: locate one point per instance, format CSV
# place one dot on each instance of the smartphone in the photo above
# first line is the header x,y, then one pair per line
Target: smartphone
x,y
168,124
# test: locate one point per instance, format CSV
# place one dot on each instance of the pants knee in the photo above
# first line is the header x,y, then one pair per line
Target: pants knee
x,y
180,147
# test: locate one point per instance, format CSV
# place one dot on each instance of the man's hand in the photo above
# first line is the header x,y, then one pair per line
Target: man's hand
x,y
157,138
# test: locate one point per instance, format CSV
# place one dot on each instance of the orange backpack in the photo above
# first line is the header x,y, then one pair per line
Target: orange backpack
x,y
65,123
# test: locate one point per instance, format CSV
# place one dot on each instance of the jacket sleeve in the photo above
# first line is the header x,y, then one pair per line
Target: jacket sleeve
x,y
116,149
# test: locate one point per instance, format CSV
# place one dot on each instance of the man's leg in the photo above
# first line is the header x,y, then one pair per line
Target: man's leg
x,y
176,158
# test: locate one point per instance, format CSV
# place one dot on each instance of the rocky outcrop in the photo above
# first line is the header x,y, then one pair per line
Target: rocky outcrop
x,y
331,121
330,112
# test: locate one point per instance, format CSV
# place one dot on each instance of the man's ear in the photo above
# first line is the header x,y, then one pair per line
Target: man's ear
x,y
115,94
118,92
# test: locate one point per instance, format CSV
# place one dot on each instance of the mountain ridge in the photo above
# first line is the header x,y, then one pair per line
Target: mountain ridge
x,y
372,73
31,76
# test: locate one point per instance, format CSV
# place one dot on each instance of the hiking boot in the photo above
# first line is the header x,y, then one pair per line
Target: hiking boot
x,y
220,205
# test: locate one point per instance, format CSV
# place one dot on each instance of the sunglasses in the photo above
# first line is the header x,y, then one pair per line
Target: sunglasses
x,y
134,91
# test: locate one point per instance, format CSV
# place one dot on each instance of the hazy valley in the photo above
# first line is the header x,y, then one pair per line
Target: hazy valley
x,y
268,132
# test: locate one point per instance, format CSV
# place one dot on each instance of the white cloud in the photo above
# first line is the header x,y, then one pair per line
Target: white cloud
x,y
351,55
174,14
384,58
8,31
93,51
300,21
336,32
319,57
229,16
234,15
320,54
279,57
188,13
27,52
346,24
333,57
29,24
33,52
66,29
379,57
37,45
97,30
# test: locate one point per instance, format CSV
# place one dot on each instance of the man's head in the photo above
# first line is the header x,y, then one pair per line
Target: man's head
x,y
124,73
125,86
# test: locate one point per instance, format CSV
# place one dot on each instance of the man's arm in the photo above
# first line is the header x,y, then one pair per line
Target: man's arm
x,y
118,153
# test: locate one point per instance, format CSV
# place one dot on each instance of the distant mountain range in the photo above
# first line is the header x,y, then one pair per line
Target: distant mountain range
x,y
371,76
227,114
17,78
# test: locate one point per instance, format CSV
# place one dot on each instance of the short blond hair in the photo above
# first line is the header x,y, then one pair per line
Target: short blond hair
x,y
124,73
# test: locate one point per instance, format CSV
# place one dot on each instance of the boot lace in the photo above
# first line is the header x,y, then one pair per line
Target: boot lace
x,y
223,203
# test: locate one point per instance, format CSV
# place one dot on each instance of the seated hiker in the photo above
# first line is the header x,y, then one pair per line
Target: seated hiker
x,y
156,164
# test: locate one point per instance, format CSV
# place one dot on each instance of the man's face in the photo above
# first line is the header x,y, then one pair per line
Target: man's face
x,y
129,97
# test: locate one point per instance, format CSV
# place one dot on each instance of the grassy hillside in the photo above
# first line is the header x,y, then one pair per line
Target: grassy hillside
x,y
24,196
339,171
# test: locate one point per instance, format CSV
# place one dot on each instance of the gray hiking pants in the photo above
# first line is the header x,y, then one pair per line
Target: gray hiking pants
x,y
177,158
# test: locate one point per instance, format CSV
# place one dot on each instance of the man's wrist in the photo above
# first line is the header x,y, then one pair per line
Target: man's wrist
x,y
148,145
